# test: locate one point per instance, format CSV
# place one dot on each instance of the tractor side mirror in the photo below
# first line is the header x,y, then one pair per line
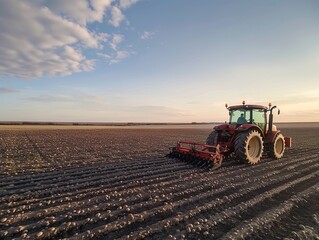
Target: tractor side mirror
x,y
278,111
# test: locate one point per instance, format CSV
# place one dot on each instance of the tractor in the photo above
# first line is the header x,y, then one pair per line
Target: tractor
x,y
246,136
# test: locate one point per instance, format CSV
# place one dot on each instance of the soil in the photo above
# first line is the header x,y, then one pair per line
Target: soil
x,y
116,183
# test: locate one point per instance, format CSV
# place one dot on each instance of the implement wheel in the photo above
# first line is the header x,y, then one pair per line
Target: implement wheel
x,y
249,146
277,147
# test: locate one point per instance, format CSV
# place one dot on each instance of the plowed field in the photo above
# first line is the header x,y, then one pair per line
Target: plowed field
x,y
116,183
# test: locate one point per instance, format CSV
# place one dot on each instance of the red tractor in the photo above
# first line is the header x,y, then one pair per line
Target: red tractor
x,y
247,135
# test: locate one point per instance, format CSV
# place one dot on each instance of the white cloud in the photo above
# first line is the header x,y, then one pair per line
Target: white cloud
x,y
119,56
42,37
147,35
82,12
104,55
8,90
116,40
127,3
116,17
74,97
122,54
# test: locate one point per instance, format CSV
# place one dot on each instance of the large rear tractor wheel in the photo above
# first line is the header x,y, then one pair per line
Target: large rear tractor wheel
x,y
277,147
212,138
249,146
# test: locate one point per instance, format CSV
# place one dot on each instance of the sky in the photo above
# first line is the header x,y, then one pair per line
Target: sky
x,y
157,61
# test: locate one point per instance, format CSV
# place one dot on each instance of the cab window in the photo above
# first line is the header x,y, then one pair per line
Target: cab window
x,y
259,118
239,116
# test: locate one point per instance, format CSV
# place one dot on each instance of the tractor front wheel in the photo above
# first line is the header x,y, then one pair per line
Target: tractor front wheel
x,y
277,147
249,146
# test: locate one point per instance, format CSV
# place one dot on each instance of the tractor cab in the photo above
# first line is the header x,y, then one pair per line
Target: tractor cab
x,y
248,114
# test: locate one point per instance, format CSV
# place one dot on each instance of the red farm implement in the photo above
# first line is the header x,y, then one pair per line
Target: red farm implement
x,y
201,154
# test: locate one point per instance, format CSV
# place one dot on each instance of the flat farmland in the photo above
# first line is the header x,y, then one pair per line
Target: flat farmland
x,y
65,182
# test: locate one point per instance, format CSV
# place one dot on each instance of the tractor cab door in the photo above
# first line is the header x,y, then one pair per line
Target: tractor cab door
x,y
259,118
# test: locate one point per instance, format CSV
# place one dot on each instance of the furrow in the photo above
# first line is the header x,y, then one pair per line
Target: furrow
x,y
28,204
273,216
42,190
224,221
160,212
34,218
60,176
83,194
248,190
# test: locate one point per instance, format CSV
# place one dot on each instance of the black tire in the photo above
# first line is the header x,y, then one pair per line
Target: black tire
x,y
249,146
277,147
212,138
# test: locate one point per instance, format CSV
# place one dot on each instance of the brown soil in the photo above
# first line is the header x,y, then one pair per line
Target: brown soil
x,y
116,183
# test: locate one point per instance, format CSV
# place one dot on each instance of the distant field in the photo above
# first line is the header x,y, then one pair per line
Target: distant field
x,y
70,127
138,126
90,182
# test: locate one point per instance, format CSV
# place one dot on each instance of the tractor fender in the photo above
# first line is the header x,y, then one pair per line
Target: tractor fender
x,y
246,127
271,137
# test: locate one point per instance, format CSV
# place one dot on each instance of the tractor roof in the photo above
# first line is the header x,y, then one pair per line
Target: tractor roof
x,y
247,107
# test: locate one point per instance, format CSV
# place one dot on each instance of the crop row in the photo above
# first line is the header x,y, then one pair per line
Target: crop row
x,y
118,185
39,151
135,202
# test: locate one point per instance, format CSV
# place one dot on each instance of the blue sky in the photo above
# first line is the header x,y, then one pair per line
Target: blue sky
x,y
157,61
